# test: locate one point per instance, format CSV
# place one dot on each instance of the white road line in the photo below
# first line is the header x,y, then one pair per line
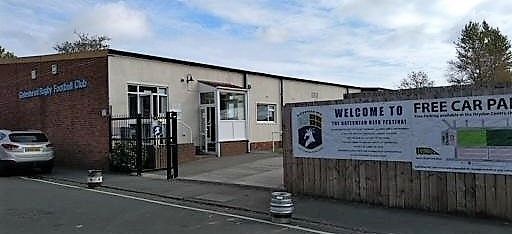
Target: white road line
x,y
182,206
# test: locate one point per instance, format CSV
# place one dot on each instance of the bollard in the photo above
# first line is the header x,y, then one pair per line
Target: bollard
x,y
281,207
94,178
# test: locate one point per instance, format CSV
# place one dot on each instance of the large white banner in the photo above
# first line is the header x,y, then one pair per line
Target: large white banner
x,y
463,134
366,131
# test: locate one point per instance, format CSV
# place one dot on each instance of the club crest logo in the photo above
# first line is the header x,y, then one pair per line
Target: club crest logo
x,y
310,130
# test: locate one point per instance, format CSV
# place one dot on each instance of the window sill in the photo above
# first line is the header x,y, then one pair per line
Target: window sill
x,y
265,123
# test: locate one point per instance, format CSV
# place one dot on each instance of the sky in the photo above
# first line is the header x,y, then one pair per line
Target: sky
x,y
353,42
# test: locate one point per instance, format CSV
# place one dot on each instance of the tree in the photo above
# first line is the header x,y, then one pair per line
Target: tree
x,y
416,80
5,53
483,56
85,42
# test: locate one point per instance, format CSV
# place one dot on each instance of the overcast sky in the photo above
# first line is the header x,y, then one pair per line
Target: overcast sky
x,y
354,42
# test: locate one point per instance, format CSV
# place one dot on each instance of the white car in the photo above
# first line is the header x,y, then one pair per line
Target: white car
x,y
29,148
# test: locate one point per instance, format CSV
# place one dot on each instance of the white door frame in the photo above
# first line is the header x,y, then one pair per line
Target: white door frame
x,y
205,115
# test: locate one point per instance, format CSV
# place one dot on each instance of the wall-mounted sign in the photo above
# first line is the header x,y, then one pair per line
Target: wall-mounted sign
x,y
366,131
54,89
461,134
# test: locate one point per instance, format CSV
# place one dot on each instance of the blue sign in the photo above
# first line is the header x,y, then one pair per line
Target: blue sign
x,y
51,90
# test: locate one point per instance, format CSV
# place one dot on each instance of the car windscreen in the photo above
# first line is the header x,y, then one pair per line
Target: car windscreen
x,y
28,137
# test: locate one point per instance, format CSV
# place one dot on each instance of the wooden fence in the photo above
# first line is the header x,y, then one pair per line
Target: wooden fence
x,y
395,184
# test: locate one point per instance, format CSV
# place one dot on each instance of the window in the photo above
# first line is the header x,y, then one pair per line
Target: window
x,y
132,88
207,98
266,112
162,90
33,74
132,104
28,137
147,100
163,104
147,89
55,69
232,106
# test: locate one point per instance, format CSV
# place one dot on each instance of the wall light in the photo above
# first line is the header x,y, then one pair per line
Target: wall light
x,y
188,78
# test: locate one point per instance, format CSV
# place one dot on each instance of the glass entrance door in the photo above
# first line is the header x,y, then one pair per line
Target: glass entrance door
x,y
208,129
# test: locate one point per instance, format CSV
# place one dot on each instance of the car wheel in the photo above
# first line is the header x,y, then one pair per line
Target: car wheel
x,y
4,169
48,168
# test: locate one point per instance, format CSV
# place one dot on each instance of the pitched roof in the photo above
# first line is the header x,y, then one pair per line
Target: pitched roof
x,y
102,53
189,63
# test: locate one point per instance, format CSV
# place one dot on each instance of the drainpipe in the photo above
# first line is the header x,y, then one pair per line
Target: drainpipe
x,y
281,93
245,81
217,118
247,114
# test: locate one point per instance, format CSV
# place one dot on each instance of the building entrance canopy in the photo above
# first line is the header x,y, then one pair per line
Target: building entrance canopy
x,y
222,115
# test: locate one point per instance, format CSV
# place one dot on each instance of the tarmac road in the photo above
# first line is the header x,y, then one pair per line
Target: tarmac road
x,y
32,206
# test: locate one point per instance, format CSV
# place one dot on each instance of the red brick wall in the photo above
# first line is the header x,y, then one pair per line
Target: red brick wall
x,y
233,148
186,153
265,145
72,120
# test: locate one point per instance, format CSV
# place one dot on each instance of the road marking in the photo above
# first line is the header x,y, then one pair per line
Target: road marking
x,y
182,206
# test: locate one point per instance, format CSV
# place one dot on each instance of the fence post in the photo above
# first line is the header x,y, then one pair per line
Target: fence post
x,y
139,144
174,117
109,118
168,139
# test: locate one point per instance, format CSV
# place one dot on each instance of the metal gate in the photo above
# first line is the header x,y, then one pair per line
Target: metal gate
x,y
144,143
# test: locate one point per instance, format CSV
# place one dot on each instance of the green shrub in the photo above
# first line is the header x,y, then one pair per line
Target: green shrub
x,y
123,157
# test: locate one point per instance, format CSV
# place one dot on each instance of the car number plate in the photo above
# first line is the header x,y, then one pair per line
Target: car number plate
x,y
33,149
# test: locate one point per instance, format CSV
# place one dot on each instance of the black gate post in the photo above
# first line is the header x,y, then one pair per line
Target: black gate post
x,y
174,117
168,138
139,145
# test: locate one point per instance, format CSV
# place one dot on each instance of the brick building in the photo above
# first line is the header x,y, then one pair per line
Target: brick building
x,y
222,111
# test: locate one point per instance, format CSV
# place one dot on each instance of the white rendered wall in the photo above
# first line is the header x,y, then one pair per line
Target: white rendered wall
x,y
299,91
123,70
265,90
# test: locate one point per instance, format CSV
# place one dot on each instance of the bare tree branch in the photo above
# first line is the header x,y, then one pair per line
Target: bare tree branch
x,y
85,42
416,80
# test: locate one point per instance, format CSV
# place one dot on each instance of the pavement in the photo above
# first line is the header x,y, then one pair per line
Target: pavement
x,y
345,217
259,169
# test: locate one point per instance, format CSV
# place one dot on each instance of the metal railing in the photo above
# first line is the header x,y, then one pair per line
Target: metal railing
x,y
141,143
